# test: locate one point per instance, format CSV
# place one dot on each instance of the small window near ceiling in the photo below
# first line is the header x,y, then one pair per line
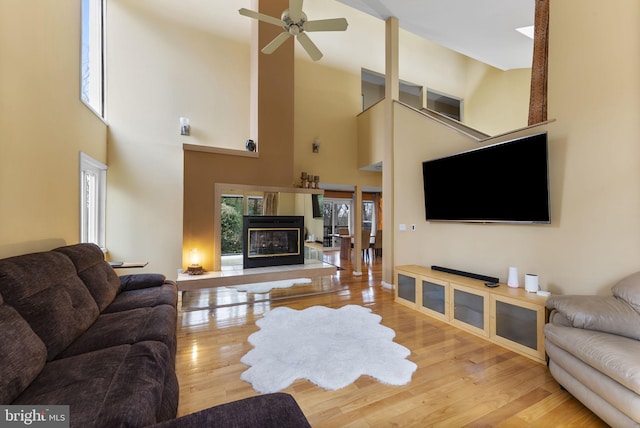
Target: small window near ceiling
x,y
93,192
92,55
448,105
373,90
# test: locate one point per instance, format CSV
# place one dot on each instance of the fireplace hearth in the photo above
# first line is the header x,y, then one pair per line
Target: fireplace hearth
x,y
272,241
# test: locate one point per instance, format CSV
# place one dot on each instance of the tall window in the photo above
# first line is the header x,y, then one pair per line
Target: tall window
x,y
92,55
232,209
368,215
93,185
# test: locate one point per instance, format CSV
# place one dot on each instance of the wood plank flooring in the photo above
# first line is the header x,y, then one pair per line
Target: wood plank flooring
x,y
461,380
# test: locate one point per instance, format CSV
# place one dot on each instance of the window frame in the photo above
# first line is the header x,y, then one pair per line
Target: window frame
x,y
92,38
98,199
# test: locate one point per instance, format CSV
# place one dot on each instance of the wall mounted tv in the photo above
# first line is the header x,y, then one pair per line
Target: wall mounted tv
x,y
506,182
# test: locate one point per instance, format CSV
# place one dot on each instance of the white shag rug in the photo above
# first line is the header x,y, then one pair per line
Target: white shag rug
x,y
265,287
329,347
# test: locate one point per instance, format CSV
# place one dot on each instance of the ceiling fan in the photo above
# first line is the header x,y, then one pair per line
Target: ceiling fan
x,y
294,22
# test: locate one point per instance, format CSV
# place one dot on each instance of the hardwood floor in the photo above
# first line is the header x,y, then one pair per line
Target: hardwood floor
x,y
461,380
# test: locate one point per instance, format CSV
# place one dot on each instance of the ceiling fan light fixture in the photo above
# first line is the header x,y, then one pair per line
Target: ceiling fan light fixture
x,y
294,22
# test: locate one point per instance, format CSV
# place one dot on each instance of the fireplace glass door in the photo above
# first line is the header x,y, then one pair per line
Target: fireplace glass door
x,y
272,242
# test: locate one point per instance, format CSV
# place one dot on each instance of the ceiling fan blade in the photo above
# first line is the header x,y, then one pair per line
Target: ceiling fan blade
x,y
276,42
295,10
309,46
336,24
261,17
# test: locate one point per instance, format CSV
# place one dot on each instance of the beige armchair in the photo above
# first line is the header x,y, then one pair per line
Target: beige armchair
x,y
593,344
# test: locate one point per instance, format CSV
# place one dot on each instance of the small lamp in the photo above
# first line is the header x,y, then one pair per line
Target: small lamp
x,y
194,259
185,128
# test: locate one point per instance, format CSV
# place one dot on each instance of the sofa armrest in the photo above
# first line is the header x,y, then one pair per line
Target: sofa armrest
x,y
600,313
137,281
276,410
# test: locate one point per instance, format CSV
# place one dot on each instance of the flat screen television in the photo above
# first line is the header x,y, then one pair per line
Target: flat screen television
x,y
316,204
506,182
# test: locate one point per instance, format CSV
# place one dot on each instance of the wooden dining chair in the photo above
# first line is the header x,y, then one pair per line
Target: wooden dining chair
x,y
377,244
366,243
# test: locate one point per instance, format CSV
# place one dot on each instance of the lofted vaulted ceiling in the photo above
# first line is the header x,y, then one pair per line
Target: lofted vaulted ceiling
x,y
481,29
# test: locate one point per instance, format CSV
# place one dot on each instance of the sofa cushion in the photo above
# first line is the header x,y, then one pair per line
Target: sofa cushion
x,y
122,328
98,276
46,291
612,402
141,280
612,355
22,354
601,313
628,289
275,410
166,294
113,387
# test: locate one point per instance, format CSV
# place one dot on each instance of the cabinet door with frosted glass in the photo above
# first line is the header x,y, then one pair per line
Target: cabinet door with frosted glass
x,y
469,309
406,289
518,324
434,295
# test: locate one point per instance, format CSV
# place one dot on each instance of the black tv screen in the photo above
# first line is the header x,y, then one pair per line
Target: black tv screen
x,y
316,203
505,182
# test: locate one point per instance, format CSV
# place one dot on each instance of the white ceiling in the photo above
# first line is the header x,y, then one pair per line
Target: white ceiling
x,y
481,29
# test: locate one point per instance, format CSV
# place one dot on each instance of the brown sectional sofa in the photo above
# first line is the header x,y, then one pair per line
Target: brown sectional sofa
x,y
73,332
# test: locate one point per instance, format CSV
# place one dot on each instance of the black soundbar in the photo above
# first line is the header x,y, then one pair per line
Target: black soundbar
x,y
467,274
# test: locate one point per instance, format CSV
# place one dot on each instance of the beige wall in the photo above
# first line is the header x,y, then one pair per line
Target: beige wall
x,y
496,101
160,69
594,238
371,125
43,125
327,102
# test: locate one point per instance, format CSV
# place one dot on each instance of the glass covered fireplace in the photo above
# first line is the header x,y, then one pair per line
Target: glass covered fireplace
x,y
272,241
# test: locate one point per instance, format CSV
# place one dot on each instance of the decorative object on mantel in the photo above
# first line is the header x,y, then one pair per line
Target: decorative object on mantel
x,y
185,128
309,181
250,145
194,259
330,347
315,146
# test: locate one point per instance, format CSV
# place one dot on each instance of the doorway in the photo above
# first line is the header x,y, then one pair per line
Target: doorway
x,y
336,216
